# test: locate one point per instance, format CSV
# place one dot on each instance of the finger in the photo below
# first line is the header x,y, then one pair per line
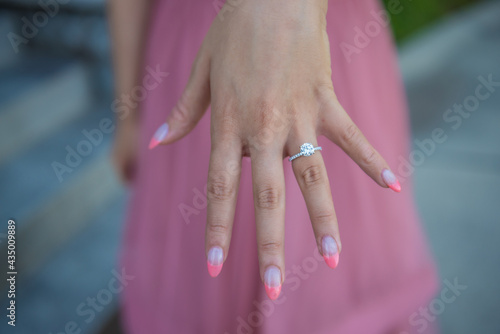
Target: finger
x,y
269,200
222,189
340,129
312,178
189,108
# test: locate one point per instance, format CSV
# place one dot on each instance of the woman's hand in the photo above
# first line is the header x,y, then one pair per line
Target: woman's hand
x,y
266,70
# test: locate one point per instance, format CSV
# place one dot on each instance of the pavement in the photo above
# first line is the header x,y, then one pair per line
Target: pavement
x,y
457,183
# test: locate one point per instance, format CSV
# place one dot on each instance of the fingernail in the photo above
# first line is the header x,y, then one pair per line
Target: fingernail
x,y
159,135
330,251
215,260
391,180
272,282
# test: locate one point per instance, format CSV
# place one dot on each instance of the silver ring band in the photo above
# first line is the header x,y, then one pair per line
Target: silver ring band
x,y
306,150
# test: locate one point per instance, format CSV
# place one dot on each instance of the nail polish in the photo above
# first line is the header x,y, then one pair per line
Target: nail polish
x,y
330,251
215,260
391,180
159,135
272,282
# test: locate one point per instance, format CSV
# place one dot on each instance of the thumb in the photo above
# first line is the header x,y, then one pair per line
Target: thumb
x,y
189,108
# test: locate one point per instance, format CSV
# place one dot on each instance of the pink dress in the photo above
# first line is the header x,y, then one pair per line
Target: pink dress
x,y
385,272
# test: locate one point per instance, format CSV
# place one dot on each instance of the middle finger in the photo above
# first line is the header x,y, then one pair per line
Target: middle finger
x,y
269,200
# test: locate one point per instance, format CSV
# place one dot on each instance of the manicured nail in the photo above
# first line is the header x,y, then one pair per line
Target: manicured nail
x,y
215,260
272,282
391,180
330,251
159,135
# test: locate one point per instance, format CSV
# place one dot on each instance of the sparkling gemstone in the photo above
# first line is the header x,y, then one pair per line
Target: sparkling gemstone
x,y
307,149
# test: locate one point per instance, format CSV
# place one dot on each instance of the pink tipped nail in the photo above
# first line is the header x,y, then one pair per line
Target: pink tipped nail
x,y
391,180
214,271
330,251
332,261
273,293
159,135
215,260
153,143
272,282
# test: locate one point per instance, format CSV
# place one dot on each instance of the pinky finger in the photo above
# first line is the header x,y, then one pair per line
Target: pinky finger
x,y
341,130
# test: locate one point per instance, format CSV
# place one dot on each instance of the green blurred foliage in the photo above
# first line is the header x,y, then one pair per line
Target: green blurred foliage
x,y
416,14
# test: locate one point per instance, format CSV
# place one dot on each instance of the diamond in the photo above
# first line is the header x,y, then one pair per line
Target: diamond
x,y
307,149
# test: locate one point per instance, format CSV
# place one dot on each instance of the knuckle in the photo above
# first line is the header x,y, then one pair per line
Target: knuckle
x,y
219,187
350,134
181,113
217,228
267,198
264,112
224,123
311,175
270,246
323,217
226,134
324,89
265,104
369,157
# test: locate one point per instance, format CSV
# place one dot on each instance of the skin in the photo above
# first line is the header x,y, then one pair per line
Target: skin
x,y
128,27
265,70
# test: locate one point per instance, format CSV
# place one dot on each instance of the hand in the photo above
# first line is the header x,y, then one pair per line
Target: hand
x,y
124,151
266,70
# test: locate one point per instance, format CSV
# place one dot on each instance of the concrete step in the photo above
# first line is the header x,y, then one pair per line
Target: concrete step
x,y
457,187
37,97
73,4
39,201
50,300
436,61
31,179
78,26
7,25
47,106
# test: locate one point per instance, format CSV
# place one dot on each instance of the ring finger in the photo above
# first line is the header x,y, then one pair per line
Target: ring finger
x,y
311,175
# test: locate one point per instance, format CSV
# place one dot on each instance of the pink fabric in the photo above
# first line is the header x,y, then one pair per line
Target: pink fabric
x,y
385,272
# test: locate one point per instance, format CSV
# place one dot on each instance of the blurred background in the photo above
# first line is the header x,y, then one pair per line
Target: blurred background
x,y
56,89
